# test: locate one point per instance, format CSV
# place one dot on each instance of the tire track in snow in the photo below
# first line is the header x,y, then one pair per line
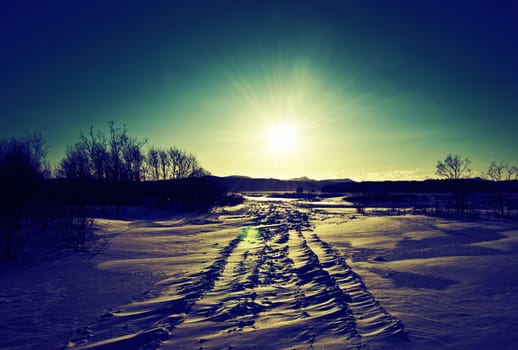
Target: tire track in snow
x,y
274,277
371,318
154,320
254,281
322,300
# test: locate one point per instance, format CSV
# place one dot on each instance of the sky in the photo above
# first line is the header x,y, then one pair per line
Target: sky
x,y
367,90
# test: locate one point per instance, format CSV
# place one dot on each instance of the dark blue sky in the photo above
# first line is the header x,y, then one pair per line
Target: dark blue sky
x,y
372,89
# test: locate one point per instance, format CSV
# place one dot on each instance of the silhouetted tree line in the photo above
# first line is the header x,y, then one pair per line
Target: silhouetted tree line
x,y
100,169
425,186
502,179
502,175
498,186
103,168
118,157
172,163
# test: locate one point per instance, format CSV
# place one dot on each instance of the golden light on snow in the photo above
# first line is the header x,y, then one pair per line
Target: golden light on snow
x,y
282,138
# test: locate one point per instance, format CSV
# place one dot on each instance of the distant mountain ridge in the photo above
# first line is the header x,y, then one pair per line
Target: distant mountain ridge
x,y
249,184
237,183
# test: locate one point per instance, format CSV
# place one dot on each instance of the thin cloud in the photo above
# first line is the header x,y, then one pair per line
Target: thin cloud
x,y
400,174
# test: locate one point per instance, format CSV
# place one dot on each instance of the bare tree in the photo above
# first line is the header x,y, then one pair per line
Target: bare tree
x,y
176,156
75,165
117,141
125,159
110,160
153,163
118,158
499,172
193,168
454,168
502,172
184,164
134,159
94,145
165,163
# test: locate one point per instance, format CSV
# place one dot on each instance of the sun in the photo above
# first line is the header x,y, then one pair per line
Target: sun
x,y
282,138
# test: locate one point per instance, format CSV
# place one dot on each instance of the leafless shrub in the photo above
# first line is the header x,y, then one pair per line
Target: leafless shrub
x,y
79,231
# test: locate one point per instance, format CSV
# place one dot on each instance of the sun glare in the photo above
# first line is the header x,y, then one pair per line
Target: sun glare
x,y
282,138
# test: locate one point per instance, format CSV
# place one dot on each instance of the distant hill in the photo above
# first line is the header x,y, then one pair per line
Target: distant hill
x,y
244,184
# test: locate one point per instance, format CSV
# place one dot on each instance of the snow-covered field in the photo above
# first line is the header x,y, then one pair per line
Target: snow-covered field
x,y
272,275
